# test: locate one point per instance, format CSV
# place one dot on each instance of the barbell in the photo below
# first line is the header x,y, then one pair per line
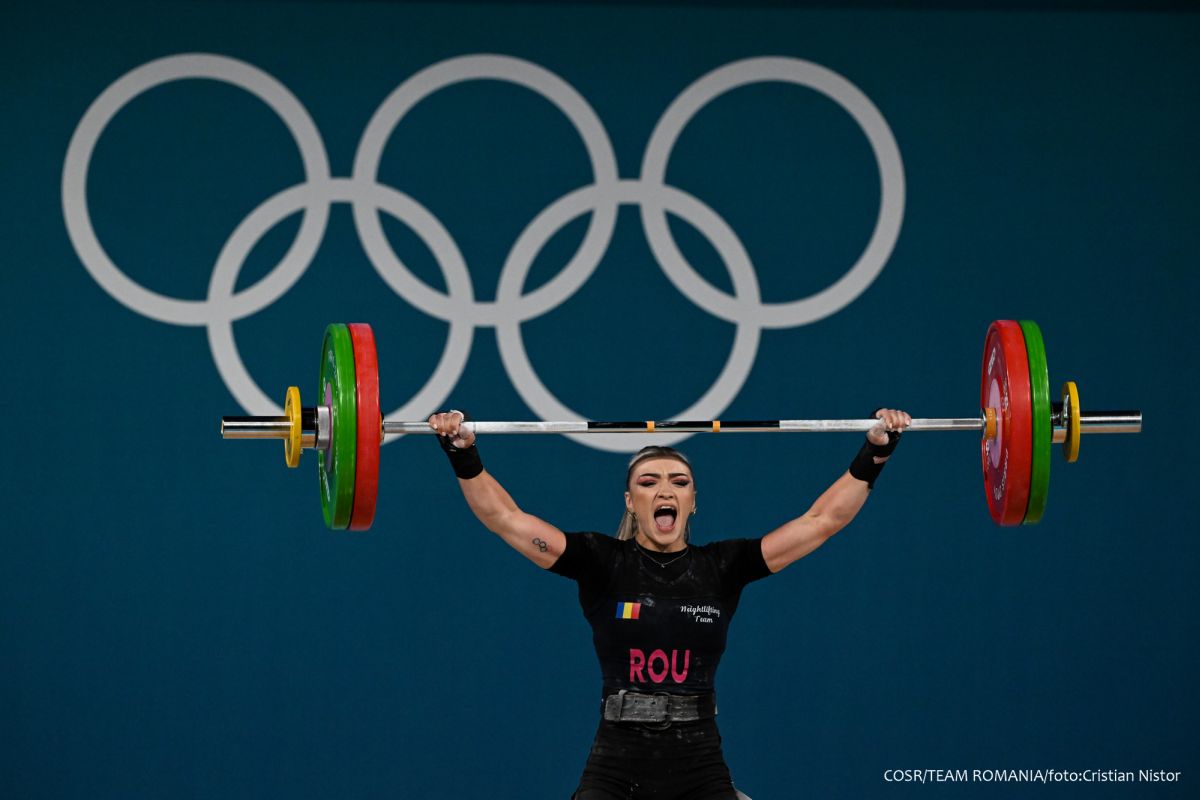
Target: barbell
x,y
1018,421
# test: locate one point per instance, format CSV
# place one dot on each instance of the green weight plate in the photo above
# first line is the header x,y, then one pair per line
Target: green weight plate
x,y
1039,389
338,391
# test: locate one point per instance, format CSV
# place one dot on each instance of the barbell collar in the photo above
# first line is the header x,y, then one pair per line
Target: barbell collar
x,y
1095,422
255,427
1110,421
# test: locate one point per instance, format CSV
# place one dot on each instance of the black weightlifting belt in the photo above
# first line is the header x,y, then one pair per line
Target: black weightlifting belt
x,y
627,706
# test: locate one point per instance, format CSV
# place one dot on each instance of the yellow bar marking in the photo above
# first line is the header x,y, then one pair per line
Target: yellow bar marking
x,y
716,426
649,426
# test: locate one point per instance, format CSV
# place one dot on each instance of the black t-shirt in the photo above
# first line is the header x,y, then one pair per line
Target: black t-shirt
x,y
659,620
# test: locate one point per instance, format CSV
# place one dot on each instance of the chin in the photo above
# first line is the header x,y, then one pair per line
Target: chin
x,y
665,539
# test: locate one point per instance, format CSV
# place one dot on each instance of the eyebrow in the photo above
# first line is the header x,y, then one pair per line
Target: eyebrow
x,y
669,475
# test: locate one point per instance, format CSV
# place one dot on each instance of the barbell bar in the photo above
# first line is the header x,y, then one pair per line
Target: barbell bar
x,y
1017,421
280,427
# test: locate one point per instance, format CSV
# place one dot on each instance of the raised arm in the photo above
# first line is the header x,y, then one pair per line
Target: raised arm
x,y
839,504
534,538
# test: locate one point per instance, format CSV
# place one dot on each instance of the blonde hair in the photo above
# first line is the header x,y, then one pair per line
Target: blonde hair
x,y
628,528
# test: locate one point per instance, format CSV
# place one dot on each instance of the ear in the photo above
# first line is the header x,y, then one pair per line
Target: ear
x,y
628,502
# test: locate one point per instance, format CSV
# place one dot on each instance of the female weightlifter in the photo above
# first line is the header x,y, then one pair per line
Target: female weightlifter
x,y
660,606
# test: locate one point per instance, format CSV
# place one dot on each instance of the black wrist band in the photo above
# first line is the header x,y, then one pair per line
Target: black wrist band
x,y
465,461
864,468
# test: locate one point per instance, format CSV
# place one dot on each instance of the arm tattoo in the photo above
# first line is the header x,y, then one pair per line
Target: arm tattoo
x,y
541,545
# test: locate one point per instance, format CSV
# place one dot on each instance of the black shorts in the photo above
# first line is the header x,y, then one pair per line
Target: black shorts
x,y
634,761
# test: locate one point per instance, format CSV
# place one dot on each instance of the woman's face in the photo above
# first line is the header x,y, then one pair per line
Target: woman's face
x,y
662,496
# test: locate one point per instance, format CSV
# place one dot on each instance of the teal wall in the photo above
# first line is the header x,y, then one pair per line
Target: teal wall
x,y
176,622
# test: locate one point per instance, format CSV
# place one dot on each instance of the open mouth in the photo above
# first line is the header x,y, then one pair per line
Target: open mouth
x,y
664,517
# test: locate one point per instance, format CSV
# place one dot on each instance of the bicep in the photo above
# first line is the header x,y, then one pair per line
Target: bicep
x,y
794,540
532,537
833,511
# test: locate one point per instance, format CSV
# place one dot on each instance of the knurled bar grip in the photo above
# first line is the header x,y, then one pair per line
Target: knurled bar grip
x,y
690,426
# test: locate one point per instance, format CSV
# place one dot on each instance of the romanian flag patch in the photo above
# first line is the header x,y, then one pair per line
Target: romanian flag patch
x,y
628,610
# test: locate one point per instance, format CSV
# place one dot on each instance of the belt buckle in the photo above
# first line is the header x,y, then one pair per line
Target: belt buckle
x,y
665,722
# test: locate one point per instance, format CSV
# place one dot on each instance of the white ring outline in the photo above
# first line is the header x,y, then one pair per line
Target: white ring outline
x,y
748,71
78,162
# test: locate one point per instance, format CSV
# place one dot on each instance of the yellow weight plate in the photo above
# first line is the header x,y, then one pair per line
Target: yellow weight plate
x,y
1070,411
291,445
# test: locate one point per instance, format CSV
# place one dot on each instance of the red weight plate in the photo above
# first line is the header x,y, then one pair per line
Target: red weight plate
x,y
366,468
1007,459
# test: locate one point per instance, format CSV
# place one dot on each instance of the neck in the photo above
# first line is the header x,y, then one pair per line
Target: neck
x,y
677,546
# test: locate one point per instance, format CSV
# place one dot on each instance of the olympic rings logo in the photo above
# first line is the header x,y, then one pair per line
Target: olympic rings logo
x,y
457,306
